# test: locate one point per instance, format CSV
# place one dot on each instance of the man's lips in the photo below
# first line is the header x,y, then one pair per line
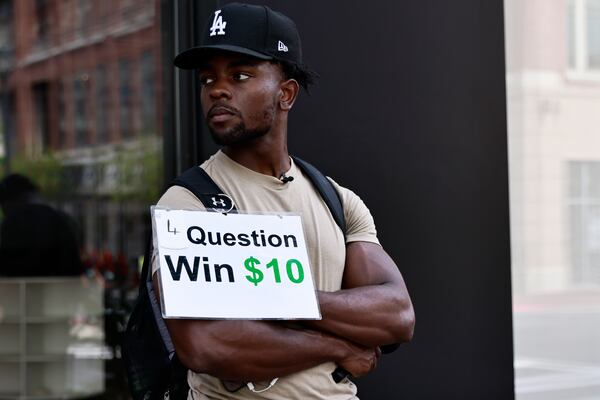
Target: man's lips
x,y
219,113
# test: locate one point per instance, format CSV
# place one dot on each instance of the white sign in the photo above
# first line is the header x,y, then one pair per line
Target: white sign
x,y
237,266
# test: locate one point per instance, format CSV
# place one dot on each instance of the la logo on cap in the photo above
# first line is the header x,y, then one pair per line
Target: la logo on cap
x,y
281,46
218,26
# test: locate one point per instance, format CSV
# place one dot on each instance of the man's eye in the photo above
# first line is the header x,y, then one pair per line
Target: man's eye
x,y
241,76
205,80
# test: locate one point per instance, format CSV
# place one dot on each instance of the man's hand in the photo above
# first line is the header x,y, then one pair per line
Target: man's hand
x,y
360,361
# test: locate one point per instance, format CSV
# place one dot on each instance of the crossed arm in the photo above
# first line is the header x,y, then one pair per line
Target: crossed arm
x,y
372,309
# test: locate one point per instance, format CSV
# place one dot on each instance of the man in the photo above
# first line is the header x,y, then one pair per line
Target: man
x,y
250,67
35,239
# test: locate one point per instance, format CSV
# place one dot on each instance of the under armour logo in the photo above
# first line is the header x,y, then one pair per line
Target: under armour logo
x,y
219,202
281,46
218,26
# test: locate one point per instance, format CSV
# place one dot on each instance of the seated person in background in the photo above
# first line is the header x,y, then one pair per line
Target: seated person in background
x,y
35,239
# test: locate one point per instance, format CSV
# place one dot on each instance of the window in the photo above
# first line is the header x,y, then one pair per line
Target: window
x,y
4,134
63,98
148,100
125,93
583,35
80,98
7,111
554,155
5,25
102,105
62,114
41,128
42,14
584,204
82,17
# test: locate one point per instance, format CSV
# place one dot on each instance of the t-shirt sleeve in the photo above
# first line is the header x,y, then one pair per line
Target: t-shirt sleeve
x,y
177,198
360,226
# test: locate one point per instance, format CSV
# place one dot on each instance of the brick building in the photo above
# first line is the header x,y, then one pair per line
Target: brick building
x,y
84,89
87,74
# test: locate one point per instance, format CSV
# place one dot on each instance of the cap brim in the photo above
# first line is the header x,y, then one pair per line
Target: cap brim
x,y
194,57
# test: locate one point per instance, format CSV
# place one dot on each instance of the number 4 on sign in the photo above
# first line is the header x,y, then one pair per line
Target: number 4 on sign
x,y
174,231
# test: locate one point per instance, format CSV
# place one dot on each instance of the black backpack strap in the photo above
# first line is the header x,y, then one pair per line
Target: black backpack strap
x,y
160,322
197,181
147,349
148,352
326,190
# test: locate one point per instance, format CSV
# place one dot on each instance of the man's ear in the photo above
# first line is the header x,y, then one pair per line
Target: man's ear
x,y
289,92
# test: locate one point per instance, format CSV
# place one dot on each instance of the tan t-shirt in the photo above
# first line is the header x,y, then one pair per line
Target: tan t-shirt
x,y
255,192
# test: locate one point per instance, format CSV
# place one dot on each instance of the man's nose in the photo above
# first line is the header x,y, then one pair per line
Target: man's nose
x,y
219,89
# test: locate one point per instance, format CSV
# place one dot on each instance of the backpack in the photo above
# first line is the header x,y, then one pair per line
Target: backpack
x,y
153,370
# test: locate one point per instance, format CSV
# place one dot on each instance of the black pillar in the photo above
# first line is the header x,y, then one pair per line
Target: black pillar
x,y
410,113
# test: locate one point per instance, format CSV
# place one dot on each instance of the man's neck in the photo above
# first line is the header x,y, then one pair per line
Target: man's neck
x,y
267,155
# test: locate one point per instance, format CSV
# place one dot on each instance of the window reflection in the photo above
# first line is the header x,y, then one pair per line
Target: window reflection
x,y
79,93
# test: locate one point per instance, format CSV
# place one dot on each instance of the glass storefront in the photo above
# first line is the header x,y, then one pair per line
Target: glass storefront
x,y
553,91
81,94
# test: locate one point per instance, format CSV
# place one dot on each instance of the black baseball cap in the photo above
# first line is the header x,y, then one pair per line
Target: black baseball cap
x,y
248,29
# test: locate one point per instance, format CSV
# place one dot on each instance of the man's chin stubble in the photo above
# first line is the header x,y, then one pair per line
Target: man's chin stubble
x,y
237,135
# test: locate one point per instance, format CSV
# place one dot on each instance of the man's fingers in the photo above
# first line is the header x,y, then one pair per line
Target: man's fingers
x,y
361,362
377,353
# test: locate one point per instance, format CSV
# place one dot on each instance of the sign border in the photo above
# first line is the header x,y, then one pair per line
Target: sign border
x,y
156,252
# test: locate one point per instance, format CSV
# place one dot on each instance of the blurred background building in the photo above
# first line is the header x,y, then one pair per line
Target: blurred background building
x,y
553,92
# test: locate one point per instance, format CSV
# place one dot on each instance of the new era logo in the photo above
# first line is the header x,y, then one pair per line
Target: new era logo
x,y
281,46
